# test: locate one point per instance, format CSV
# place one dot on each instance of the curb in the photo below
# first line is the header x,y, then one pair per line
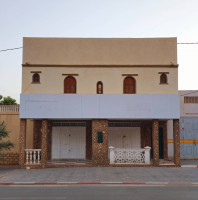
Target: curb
x,y
104,183
189,166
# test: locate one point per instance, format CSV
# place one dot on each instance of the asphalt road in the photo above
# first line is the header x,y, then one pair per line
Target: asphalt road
x,y
98,192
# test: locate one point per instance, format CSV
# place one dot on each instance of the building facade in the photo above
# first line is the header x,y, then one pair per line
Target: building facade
x,y
189,124
87,94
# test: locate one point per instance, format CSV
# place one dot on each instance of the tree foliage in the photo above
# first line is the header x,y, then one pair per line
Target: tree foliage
x,y
7,100
4,145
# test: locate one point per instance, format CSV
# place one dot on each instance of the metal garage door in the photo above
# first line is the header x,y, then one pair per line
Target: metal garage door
x,y
68,142
189,137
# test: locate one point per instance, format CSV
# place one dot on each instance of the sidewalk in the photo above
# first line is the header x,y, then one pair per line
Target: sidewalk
x,y
189,163
91,175
184,163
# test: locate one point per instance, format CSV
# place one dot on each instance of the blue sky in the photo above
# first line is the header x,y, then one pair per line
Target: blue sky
x,y
96,18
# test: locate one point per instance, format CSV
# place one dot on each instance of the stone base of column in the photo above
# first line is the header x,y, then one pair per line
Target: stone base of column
x,y
176,136
155,139
100,150
22,143
44,143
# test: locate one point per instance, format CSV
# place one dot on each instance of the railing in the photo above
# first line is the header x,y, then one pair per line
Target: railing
x,y
33,156
9,108
129,155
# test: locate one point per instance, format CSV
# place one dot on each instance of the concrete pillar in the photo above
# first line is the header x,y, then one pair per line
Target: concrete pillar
x,y
44,143
147,155
22,142
155,140
100,150
176,137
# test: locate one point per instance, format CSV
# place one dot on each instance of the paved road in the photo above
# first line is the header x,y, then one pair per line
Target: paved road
x,y
100,174
98,192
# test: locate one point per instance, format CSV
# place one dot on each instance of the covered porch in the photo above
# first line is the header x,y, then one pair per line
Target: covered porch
x,y
79,143
85,126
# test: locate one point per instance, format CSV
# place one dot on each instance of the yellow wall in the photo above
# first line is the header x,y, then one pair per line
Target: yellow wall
x,y
147,81
12,123
100,51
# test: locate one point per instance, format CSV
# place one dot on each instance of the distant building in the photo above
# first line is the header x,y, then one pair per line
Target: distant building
x,y
189,123
87,94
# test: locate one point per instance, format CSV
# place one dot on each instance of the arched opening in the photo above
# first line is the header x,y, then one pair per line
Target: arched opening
x,y
163,79
129,86
99,88
36,78
70,85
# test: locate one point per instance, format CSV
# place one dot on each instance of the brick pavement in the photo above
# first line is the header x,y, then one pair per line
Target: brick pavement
x,y
99,174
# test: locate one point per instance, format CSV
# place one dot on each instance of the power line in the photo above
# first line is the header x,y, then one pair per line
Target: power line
x,y
11,49
189,93
22,47
187,43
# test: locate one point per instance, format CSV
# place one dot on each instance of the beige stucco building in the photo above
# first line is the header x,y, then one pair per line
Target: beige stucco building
x,y
85,95
108,60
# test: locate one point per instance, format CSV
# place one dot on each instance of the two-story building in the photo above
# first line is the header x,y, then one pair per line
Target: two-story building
x,y
87,94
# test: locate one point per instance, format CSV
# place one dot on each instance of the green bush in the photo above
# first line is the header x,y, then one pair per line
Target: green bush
x,y
4,145
7,100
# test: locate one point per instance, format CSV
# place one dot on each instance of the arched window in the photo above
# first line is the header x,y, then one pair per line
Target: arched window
x,y
129,86
163,79
99,88
35,78
70,85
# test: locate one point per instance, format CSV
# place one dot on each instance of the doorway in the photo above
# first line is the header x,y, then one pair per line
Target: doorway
x,y
161,143
68,142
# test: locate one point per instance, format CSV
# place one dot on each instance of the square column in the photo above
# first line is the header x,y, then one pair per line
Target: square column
x,y
22,142
176,138
44,143
155,140
100,142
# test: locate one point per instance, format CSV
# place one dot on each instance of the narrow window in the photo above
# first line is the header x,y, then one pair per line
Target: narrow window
x,y
70,85
163,79
100,137
129,86
35,78
99,88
